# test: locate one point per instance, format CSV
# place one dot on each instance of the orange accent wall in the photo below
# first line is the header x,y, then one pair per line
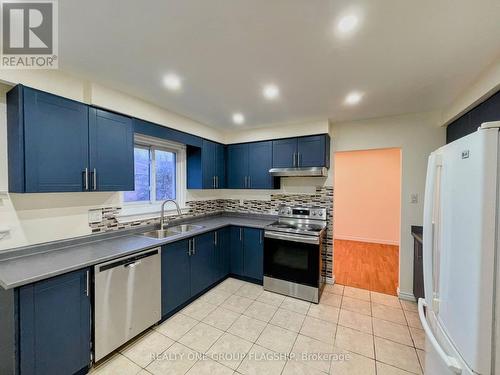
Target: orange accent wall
x,y
367,195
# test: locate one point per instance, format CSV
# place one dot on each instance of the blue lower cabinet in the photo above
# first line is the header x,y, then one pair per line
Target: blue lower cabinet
x,y
175,276
247,253
236,251
253,253
54,325
202,262
222,240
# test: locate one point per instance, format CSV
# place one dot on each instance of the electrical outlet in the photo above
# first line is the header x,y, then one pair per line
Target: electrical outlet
x,y
95,216
413,198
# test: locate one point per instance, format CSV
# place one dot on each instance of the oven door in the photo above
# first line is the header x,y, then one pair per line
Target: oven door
x,y
292,257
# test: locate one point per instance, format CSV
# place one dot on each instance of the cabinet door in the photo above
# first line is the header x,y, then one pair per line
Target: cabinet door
x,y
202,262
261,154
54,325
283,153
220,165
56,143
237,166
236,251
208,164
253,250
175,276
111,151
312,151
222,240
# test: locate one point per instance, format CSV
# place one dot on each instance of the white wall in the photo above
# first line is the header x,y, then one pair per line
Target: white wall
x,y
485,85
417,135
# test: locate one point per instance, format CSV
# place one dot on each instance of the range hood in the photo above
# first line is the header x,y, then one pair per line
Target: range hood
x,y
299,172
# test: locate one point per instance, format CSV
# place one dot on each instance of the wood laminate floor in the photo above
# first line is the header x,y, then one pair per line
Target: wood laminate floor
x,y
366,265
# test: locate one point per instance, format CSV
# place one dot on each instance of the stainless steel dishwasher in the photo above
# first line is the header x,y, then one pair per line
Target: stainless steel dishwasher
x,y
127,299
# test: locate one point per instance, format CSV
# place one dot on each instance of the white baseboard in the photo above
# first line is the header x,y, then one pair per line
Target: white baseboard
x,y
364,239
406,296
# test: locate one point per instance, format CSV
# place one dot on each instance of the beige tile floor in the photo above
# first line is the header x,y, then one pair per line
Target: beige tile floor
x,y
238,328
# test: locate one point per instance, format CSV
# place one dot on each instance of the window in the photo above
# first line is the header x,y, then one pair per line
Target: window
x,y
159,169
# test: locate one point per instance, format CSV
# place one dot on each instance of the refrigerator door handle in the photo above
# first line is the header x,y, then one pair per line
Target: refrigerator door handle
x,y
450,362
431,228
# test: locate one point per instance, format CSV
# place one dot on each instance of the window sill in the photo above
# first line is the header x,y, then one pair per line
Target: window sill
x,y
141,212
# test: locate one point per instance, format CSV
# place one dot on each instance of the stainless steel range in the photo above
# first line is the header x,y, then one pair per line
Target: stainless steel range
x,y
293,248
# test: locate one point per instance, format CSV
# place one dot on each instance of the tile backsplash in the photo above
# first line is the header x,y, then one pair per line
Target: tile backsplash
x,y
323,197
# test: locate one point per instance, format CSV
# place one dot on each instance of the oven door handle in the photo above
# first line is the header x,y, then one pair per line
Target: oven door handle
x,y
292,237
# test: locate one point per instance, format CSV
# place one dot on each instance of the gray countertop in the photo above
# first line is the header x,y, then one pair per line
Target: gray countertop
x,y
34,263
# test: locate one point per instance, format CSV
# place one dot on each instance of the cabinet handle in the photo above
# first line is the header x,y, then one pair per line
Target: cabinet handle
x,y
245,185
294,159
215,238
87,281
241,234
94,177
217,182
261,232
189,247
86,179
249,182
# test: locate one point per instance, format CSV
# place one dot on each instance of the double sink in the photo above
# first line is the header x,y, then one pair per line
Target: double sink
x,y
172,231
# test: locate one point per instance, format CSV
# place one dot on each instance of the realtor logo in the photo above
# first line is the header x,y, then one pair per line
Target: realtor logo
x,y
29,34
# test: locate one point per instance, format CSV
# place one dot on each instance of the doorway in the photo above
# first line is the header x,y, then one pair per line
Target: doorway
x,y
367,194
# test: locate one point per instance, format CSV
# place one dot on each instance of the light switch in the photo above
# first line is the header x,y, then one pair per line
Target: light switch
x,y
95,216
413,198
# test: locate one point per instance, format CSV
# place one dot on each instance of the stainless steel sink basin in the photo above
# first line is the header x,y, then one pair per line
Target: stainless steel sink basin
x,y
183,228
172,231
161,233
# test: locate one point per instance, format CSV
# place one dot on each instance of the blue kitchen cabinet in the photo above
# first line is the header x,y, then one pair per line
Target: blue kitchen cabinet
x,y
248,166
313,151
54,325
202,262
47,142
237,166
260,162
253,253
236,251
247,253
206,166
175,276
111,151
309,151
284,153
60,145
221,241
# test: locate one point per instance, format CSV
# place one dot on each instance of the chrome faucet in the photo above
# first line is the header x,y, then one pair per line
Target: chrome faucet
x,y
162,215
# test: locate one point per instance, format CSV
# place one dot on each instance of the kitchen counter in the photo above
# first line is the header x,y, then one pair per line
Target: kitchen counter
x,y
33,263
417,232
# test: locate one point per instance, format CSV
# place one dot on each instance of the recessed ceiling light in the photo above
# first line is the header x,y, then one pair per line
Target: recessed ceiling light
x,y
347,24
172,81
271,91
353,98
238,118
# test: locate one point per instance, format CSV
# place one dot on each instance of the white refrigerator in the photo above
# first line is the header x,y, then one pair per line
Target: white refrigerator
x,y
461,310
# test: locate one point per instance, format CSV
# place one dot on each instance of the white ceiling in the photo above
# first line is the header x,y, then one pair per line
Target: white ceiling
x,y
407,56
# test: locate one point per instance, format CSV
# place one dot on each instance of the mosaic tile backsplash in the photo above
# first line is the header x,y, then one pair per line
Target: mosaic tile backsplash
x,y
323,197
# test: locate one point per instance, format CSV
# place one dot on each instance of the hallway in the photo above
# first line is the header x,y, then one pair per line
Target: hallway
x,y
366,265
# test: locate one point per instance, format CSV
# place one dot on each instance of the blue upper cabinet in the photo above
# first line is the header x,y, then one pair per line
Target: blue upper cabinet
x,y
284,153
47,142
313,151
260,162
248,166
310,151
206,166
54,145
54,325
237,166
111,151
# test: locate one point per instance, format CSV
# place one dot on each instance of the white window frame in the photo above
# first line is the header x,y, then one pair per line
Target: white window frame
x,y
132,210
